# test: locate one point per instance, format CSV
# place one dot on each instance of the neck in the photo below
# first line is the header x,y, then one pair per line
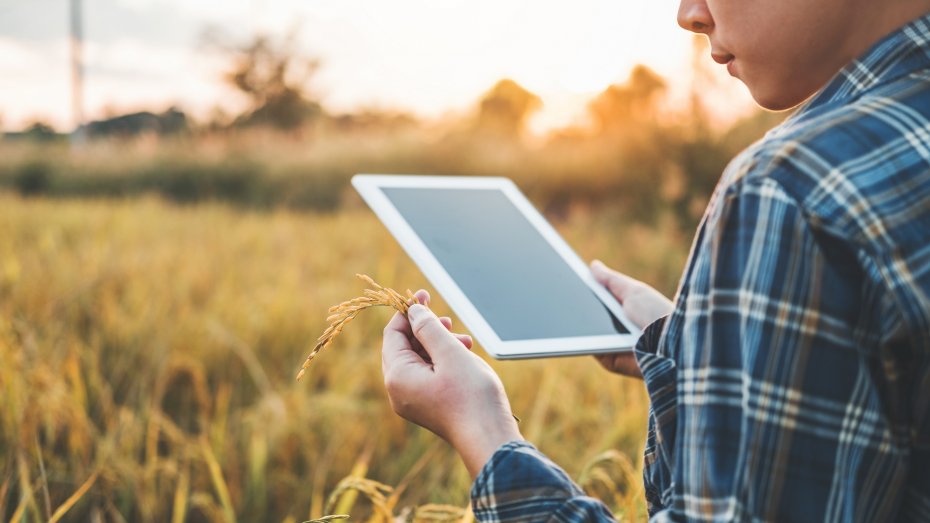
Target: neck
x,y
879,19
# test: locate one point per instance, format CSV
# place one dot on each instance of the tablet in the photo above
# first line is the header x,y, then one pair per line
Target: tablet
x,y
505,271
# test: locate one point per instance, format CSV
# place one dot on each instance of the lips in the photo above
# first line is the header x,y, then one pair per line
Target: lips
x,y
726,59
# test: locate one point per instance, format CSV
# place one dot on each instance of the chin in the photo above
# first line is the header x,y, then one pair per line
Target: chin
x,y
778,99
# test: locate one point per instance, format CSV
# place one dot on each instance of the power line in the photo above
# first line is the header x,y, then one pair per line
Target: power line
x,y
77,72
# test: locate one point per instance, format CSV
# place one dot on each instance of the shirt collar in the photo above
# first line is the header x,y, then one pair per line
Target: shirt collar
x,y
902,52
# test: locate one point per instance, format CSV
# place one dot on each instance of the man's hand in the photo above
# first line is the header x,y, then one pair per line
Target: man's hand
x,y
642,304
434,380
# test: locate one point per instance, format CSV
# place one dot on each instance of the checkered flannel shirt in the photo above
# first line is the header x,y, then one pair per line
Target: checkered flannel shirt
x,y
792,381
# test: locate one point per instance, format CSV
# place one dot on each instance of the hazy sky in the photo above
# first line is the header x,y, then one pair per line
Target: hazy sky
x,y
426,56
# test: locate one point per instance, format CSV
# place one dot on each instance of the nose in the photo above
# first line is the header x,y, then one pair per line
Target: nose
x,y
693,15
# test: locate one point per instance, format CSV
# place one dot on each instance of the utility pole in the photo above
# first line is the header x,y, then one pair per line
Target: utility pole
x,y
77,72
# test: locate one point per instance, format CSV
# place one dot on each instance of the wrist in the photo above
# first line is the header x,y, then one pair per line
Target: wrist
x,y
476,444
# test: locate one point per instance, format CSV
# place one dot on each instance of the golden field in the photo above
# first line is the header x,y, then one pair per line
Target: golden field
x,y
160,287
149,353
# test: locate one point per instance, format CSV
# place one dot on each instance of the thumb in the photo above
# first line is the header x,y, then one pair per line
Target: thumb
x,y
432,334
620,285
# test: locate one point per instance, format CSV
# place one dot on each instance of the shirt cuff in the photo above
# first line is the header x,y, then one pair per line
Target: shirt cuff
x,y
519,483
649,341
480,488
516,468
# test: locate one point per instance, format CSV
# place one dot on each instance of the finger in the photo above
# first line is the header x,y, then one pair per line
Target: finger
x,y
415,344
422,297
620,285
621,363
432,334
465,339
396,349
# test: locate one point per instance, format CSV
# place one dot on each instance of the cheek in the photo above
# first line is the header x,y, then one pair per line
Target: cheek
x,y
785,59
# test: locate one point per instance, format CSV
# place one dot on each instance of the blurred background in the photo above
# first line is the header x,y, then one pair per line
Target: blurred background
x,y
176,217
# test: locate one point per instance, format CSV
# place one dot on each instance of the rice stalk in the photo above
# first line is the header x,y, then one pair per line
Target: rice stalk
x,y
404,482
219,482
328,519
4,488
345,502
439,513
469,516
78,494
342,314
612,475
27,499
596,470
375,492
45,495
179,511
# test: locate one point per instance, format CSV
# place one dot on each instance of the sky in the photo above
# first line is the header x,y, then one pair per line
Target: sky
x,y
427,57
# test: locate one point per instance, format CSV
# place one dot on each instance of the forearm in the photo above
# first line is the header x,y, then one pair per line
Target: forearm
x,y
478,443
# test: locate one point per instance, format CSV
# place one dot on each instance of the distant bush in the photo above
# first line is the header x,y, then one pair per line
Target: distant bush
x,y
641,174
32,178
635,157
170,122
641,165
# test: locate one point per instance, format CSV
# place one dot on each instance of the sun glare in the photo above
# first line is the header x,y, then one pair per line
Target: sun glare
x,y
421,56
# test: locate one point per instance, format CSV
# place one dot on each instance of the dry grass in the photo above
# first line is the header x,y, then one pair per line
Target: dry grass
x,y
327,519
346,311
155,344
438,513
377,493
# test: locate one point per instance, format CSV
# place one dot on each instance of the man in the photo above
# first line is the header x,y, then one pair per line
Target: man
x,y
790,380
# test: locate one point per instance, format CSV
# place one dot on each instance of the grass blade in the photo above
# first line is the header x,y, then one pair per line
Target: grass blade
x,y
78,494
179,510
219,483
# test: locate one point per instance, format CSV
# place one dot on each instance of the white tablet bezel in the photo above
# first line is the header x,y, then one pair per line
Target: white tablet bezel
x,y
370,186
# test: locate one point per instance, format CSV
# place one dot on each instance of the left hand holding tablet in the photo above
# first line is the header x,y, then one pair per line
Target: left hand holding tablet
x,y
643,305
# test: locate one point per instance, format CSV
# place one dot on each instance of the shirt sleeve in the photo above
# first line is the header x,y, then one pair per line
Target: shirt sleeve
x,y
660,375
519,483
766,401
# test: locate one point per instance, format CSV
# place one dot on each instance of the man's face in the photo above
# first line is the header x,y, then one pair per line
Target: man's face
x,y
783,50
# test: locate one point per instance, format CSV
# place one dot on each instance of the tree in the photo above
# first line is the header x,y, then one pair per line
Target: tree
x,y
274,75
634,101
503,111
39,131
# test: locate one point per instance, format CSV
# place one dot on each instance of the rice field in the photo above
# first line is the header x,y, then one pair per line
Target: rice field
x,y
149,353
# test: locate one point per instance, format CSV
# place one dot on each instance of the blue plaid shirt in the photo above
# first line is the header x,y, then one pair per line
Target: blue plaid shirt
x,y
792,381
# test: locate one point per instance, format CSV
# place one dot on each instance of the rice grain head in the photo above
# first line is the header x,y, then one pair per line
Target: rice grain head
x,y
375,491
438,513
345,312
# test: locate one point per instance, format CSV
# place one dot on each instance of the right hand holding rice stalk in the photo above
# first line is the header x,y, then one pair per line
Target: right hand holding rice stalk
x,y
431,375
435,381
376,296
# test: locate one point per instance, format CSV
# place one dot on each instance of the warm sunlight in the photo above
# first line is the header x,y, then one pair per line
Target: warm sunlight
x,y
426,57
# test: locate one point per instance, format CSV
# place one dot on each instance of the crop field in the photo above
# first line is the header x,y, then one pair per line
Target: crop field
x,y
149,351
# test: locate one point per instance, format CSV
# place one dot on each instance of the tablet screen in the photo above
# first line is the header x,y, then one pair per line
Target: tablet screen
x,y
506,268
